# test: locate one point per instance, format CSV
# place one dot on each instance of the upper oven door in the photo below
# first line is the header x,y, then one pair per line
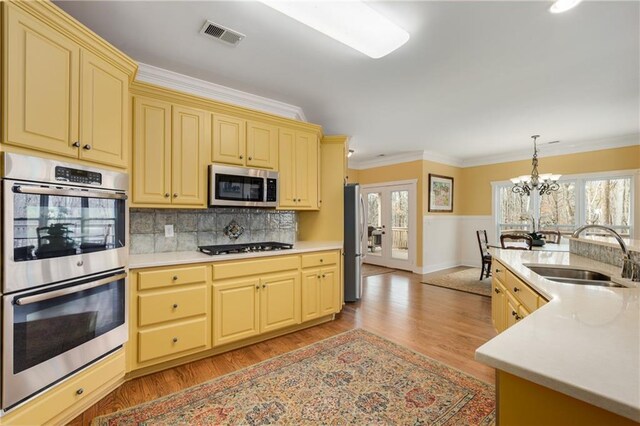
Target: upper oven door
x,y
59,232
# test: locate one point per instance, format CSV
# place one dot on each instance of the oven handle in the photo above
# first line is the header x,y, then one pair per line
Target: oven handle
x,y
57,293
45,190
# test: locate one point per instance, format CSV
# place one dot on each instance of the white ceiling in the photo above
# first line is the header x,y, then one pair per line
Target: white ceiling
x,y
475,79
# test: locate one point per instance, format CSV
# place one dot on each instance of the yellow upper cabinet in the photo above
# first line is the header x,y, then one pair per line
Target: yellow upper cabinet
x,y
190,147
298,166
262,145
104,111
63,98
170,152
43,82
244,142
229,140
151,171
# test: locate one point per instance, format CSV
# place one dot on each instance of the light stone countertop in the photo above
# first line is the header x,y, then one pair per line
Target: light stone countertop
x,y
584,343
139,261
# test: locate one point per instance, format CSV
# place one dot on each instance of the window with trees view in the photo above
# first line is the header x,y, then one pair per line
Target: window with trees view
x,y
579,201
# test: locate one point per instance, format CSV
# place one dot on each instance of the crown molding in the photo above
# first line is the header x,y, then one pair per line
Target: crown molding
x,y
194,86
544,150
555,150
387,160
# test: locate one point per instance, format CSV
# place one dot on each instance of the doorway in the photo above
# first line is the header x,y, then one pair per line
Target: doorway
x,y
390,215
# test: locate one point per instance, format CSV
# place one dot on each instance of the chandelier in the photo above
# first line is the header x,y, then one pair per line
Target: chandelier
x,y
544,183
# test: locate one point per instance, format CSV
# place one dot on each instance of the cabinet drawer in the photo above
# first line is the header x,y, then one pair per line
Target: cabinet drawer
x,y
173,276
319,259
522,292
171,339
61,399
245,268
498,270
171,305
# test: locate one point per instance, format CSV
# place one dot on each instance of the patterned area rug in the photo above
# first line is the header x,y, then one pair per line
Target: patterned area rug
x,y
369,270
353,378
466,281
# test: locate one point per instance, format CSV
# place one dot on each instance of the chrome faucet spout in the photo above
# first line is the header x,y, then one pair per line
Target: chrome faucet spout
x,y
629,267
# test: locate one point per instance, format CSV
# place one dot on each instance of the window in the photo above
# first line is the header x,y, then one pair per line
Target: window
x,y
603,200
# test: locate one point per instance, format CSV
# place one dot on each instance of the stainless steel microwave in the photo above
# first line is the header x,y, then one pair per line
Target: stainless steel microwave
x,y
243,187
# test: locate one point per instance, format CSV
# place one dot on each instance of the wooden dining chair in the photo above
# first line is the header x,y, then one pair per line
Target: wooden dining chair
x,y
483,243
551,236
523,241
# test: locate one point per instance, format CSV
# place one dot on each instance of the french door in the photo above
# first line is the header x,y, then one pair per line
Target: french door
x,y
390,215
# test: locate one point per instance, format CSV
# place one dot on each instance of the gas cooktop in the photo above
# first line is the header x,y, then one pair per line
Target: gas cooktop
x,y
244,248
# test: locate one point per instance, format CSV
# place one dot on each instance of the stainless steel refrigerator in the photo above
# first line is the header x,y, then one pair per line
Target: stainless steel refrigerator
x,y
354,230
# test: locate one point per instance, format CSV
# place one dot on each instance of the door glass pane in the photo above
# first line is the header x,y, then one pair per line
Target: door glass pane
x,y
514,210
374,223
47,226
558,209
608,202
400,224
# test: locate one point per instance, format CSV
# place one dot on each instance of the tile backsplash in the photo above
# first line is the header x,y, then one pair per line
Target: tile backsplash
x,y
193,228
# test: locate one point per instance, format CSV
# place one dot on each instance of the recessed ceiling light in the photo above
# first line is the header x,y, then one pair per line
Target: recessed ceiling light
x,y
552,142
350,22
380,155
563,5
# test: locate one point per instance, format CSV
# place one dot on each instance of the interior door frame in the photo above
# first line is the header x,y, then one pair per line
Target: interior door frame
x,y
410,185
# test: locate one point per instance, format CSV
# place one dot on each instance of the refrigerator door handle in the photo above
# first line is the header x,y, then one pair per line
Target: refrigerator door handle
x,y
362,224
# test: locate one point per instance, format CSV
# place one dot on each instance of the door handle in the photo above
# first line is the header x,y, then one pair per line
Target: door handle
x,y
21,301
47,190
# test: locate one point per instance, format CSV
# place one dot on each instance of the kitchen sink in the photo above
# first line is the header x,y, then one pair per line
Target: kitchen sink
x,y
574,276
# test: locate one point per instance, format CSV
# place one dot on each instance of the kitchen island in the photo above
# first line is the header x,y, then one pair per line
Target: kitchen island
x,y
584,343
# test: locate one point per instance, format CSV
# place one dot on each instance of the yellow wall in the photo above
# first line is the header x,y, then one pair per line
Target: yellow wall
x,y
353,175
475,189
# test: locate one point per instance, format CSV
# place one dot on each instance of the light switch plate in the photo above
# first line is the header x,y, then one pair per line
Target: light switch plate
x,y
168,231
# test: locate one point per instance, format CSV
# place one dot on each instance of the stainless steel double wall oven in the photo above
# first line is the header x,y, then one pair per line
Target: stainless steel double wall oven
x,y
64,280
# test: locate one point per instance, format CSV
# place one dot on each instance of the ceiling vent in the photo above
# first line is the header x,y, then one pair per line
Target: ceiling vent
x,y
221,33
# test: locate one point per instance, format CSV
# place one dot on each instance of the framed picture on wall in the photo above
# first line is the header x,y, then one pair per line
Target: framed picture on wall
x,y
440,193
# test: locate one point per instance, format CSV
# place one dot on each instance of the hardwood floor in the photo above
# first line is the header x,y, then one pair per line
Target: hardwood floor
x,y
444,324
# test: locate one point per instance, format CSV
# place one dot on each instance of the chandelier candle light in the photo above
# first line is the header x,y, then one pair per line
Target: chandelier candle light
x,y
544,183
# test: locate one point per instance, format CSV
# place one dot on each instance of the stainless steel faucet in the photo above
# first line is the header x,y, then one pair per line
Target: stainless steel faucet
x,y
630,269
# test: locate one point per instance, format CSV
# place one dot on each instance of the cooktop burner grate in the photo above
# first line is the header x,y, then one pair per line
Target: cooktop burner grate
x,y
244,248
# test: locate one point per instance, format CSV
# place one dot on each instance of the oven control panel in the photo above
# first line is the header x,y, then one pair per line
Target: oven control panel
x,y
67,174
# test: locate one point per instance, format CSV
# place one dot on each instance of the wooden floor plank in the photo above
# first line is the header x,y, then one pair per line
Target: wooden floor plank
x,y
444,324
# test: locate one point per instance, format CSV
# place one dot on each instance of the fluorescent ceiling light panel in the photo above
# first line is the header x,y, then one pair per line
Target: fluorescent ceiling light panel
x,y
563,5
350,22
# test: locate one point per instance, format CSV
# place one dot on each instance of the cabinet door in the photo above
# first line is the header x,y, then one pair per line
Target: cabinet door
x,y
262,145
104,108
512,312
42,86
151,151
279,301
236,310
498,307
306,170
189,146
286,166
310,294
329,291
229,140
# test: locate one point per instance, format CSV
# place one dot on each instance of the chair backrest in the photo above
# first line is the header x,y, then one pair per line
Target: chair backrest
x,y
370,230
551,236
505,239
483,243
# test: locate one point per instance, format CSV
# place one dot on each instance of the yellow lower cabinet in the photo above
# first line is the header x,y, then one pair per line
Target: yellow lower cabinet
x,y
279,301
173,338
498,304
170,305
236,310
320,292
64,401
512,311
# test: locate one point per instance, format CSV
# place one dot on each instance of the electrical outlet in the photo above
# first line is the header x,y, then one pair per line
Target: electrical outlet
x,y
168,231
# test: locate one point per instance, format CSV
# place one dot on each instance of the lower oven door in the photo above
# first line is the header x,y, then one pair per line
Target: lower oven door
x,y
53,332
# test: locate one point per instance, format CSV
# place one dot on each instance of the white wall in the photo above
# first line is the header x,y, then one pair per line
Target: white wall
x,y
450,241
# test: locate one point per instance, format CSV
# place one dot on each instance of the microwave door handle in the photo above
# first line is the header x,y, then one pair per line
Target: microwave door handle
x,y
62,292
46,190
